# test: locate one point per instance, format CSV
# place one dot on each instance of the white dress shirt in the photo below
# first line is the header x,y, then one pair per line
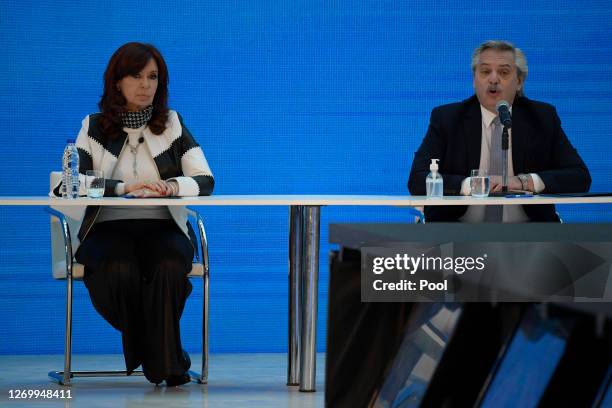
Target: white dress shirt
x,y
512,213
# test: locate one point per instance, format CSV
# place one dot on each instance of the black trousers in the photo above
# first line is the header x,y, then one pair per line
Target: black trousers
x,y
136,275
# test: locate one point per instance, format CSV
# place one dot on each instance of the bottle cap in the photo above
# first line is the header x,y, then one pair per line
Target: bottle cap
x,y
434,165
70,141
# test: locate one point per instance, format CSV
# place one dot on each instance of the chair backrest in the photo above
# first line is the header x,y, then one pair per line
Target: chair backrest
x,y
74,215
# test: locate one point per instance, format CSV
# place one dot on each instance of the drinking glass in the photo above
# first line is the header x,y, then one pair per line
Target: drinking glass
x,y
95,183
479,183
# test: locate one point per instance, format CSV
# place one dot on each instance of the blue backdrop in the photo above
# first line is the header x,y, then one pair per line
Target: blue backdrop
x,y
299,97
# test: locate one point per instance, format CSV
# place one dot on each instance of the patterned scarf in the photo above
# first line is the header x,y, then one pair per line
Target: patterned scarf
x,y
134,120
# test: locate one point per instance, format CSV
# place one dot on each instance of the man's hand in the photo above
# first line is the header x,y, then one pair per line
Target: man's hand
x,y
513,184
496,183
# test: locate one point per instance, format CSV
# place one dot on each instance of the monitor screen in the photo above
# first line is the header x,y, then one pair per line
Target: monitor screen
x,y
430,330
528,362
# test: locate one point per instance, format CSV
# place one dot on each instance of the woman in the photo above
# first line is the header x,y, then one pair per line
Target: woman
x,y
137,258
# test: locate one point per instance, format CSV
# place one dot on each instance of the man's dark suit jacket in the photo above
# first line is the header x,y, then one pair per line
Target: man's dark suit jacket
x,y
539,146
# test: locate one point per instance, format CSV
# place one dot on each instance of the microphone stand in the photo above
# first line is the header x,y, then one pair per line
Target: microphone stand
x,y
505,144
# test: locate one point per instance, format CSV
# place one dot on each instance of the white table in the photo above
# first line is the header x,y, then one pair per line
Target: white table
x,y
308,200
303,247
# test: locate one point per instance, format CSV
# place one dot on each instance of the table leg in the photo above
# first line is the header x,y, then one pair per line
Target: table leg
x,y
309,288
296,220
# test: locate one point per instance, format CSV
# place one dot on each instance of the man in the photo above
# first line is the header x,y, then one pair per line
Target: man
x,y
540,157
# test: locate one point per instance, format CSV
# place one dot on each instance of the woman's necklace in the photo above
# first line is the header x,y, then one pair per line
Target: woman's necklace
x,y
134,151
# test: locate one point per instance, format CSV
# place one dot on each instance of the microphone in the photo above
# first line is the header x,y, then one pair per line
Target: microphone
x,y
503,109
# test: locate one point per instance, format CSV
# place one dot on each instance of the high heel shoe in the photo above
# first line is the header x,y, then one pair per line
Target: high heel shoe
x,y
176,380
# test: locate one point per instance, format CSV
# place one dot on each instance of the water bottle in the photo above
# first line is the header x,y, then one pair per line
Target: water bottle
x,y
434,183
70,171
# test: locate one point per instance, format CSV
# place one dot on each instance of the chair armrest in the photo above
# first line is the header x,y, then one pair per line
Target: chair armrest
x,y
194,216
417,213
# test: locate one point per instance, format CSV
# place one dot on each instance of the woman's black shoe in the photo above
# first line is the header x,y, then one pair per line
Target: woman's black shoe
x,y
176,380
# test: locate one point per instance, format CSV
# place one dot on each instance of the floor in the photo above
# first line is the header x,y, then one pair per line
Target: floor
x,y
235,380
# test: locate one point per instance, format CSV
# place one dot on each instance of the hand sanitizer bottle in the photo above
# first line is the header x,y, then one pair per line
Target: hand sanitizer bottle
x,y
433,182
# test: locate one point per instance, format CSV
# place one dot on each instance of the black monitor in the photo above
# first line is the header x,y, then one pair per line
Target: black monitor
x,y
527,363
558,356
503,355
447,354
431,327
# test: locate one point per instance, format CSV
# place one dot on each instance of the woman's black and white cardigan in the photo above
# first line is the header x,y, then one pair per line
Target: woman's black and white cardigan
x,y
176,154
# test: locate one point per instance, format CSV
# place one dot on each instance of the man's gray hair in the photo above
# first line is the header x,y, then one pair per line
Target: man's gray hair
x,y
499,45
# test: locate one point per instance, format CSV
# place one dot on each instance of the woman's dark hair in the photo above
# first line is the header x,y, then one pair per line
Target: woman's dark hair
x,y
130,59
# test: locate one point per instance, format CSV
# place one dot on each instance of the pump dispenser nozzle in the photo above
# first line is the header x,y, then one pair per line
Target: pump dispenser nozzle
x,y
434,164
433,167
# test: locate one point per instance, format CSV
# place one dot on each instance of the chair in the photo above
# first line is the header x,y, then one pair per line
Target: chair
x,y
418,213
63,220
